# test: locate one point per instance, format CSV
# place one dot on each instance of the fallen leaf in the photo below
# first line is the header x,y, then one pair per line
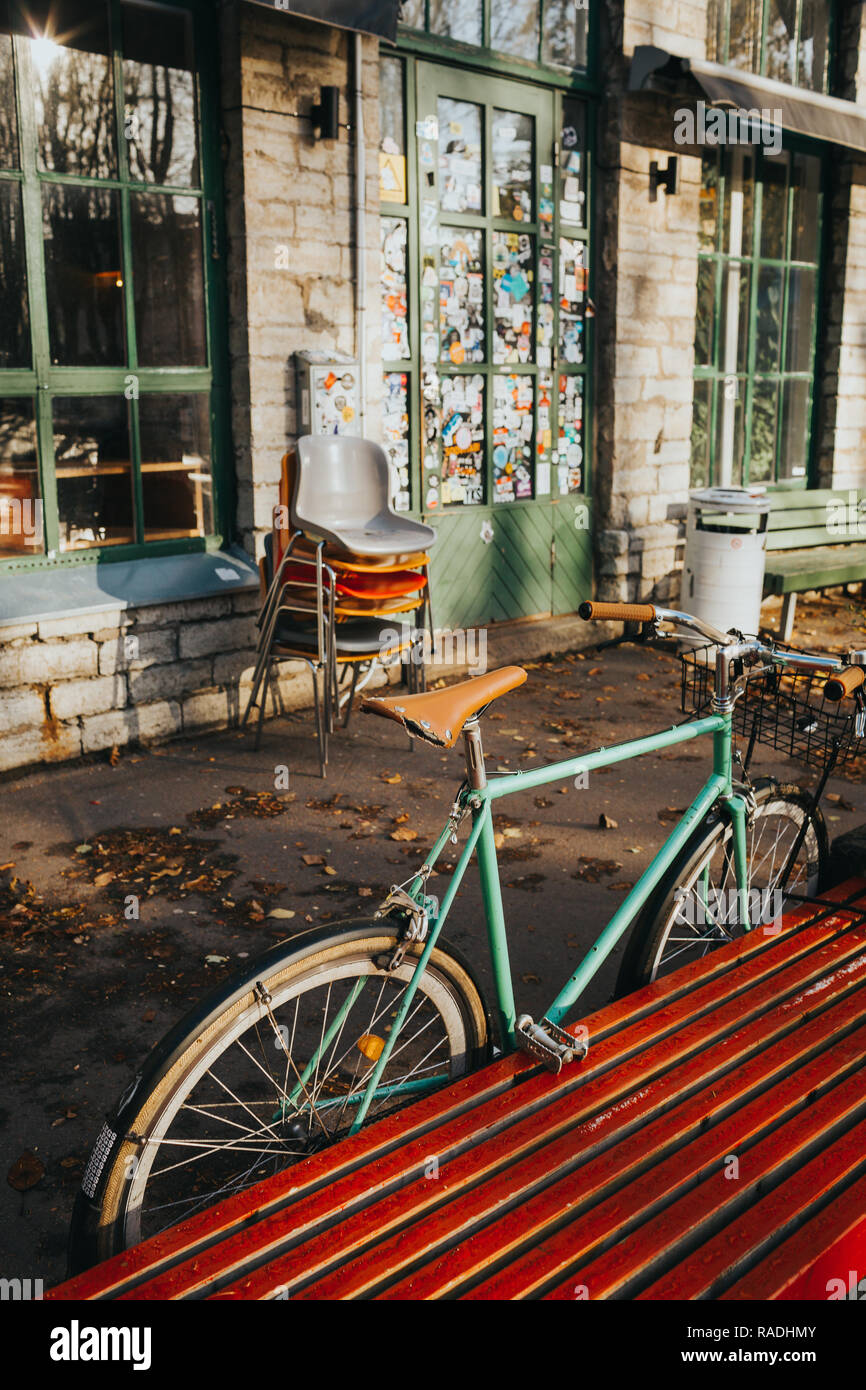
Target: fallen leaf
x,y
103,878
26,1172
83,849
114,755
365,892
283,913
530,979
386,777
329,869
607,822
404,833
313,858
215,960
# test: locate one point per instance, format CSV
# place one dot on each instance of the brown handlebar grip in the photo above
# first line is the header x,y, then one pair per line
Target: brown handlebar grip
x,y
618,612
845,683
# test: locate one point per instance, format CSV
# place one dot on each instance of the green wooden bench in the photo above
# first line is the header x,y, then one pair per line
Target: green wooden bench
x,y
816,539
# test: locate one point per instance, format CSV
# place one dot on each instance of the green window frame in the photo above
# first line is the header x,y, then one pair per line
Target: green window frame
x,y
759,285
788,40
200,389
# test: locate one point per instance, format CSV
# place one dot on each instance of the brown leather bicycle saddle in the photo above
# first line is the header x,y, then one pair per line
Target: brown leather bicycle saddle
x,y
439,715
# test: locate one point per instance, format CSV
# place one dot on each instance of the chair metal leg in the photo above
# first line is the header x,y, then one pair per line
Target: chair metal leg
x,y
356,667
786,623
267,686
321,730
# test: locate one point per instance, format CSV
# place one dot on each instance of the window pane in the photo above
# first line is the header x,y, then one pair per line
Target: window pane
x,y
734,318
159,95
563,42
395,328
395,433
806,185
744,34
572,289
168,279
83,277
513,275
709,202
8,116
700,454
768,325
781,61
175,466
457,19
94,473
705,313
14,314
461,296
795,429
716,30
74,90
801,319
513,142
20,505
412,14
459,156
514,28
765,399
570,449
462,440
572,170
813,45
774,206
392,127
513,429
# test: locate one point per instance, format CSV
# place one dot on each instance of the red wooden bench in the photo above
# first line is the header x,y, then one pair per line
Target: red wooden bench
x,y
711,1144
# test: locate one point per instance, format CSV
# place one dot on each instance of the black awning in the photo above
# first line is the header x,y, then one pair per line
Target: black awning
x,y
803,112
365,16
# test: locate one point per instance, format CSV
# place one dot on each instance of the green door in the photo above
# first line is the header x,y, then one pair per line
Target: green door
x,y
500,295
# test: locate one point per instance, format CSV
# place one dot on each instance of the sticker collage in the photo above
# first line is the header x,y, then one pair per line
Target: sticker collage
x,y
467,408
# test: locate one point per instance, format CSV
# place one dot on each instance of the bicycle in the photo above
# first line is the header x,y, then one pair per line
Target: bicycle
x,y
346,1022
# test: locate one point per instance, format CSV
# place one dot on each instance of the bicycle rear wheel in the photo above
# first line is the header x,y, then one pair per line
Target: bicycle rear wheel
x,y
696,907
269,1069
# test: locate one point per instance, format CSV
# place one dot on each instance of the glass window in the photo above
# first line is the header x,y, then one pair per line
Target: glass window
x,y
564,33
457,19
99,126
786,40
395,307
753,389
554,32
167,279
20,503
175,465
514,28
159,118
93,465
461,296
83,275
14,313
392,132
73,86
513,142
8,114
460,182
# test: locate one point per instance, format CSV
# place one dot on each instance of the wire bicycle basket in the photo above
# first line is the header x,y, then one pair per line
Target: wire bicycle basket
x,y
785,709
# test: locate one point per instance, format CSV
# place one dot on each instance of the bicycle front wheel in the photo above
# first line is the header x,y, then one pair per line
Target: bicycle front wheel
x,y
271,1068
696,907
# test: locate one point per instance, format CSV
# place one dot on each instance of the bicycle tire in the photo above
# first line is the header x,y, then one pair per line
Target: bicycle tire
x,y
105,1219
644,953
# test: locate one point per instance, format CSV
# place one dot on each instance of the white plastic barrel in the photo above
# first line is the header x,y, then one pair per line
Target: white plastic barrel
x,y
726,540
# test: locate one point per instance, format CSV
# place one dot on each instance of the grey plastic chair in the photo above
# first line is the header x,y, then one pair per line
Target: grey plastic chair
x,y
342,494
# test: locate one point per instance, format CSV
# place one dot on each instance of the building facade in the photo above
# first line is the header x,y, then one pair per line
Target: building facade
x,y
556,278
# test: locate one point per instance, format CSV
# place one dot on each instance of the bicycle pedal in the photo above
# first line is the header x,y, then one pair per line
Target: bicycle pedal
x,y
548,1042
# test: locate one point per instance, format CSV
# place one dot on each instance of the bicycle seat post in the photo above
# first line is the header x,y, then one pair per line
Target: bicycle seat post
x,y
475,770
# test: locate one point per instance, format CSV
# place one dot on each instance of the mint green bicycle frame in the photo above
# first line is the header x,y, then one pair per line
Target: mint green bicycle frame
x,y
717,788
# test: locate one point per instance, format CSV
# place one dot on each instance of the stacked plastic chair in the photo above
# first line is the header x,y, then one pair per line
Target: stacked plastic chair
x,y
345,579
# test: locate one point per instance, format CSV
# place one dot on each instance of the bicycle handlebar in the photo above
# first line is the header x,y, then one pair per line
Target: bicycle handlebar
x,y
617,612
845,683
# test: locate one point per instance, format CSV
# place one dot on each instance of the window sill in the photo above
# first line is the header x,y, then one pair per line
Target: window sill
x,y
100,588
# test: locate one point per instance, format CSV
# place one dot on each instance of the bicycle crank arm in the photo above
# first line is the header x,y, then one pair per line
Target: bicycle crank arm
x,y
548,1042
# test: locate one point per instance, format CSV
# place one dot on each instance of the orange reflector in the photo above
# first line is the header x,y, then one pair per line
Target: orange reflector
x,y
370,1046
